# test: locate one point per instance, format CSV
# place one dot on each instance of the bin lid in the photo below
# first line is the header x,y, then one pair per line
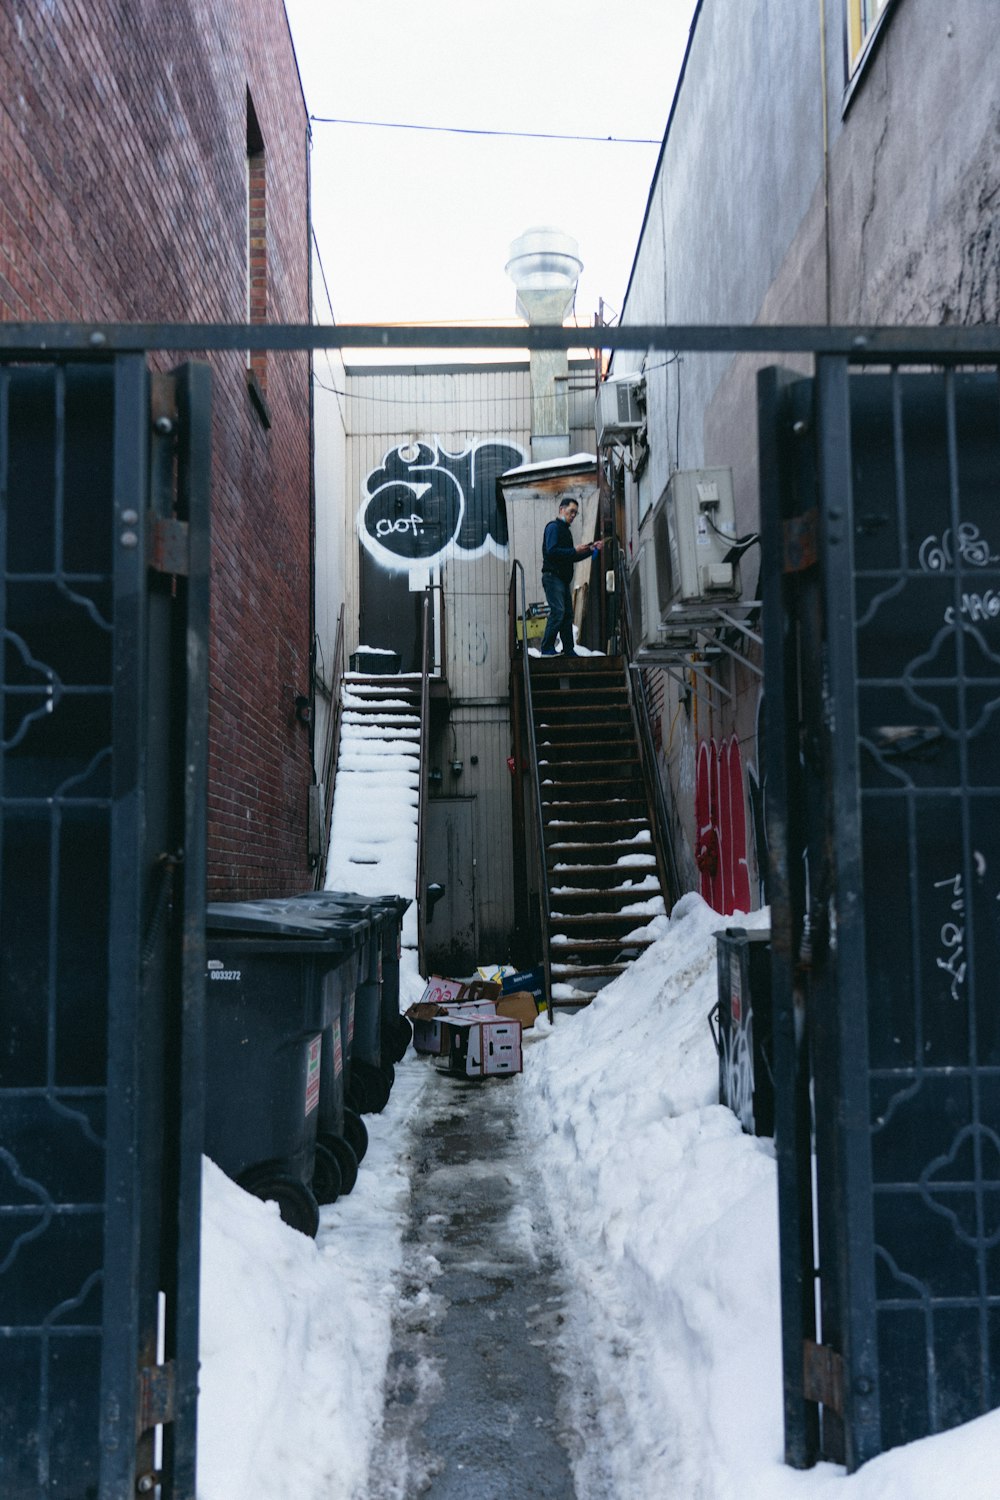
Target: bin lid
x,y
249,918
348,922
389,902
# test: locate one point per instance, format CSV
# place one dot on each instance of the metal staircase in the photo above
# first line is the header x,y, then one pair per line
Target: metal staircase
x,y
603,875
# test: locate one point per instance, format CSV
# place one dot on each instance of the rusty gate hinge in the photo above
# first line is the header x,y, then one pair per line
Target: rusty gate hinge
x,y
800,542
823,1375
156,1395
168,544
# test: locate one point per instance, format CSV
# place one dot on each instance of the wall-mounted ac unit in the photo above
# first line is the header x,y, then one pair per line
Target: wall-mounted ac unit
x,y
618,411
648,626
694,530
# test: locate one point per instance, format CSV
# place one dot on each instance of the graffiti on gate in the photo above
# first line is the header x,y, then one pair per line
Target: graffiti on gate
x,y
423,500
721,826
736,1046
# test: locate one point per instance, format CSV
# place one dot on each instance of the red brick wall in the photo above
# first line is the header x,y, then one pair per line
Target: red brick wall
x,y
123,151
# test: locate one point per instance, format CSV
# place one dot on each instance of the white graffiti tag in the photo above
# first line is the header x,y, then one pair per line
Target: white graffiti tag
x,y
422,501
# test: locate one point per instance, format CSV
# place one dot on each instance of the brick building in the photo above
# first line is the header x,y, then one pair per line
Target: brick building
x,y
153,168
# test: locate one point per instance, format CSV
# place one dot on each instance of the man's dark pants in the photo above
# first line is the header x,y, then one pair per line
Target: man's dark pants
x,y
560,621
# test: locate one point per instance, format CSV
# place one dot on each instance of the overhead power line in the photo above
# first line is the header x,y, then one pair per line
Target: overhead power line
x,y
524,135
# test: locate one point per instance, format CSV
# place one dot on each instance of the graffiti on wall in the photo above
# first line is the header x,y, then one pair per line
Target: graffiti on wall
x,y
721,826
423,500
756,793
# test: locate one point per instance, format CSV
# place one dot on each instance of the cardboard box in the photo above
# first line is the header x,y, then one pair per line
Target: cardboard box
x,y
483,1046
440,991
430,1017
520,1006
532,980
495,973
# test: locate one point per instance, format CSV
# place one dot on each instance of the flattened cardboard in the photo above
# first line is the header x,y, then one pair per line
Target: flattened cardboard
x,y
532,980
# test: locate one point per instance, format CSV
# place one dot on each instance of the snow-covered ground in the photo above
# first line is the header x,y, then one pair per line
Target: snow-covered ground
x,y
666,1220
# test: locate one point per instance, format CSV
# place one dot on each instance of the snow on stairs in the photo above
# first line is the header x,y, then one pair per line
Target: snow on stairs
x,y
373,835
604,886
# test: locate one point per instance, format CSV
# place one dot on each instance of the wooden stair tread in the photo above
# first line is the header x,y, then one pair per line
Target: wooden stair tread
x,y
589,920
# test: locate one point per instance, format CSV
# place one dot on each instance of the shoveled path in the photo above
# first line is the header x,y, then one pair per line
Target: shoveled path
x,y
473,1403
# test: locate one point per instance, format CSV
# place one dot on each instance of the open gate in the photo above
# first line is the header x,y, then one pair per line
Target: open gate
x,y
881,534
104,492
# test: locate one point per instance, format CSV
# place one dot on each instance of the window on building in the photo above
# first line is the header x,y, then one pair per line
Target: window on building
x,y
256,253
863,17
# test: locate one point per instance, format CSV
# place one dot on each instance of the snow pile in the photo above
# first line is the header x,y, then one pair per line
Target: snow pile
x,y
667,1220
373,829
295,1334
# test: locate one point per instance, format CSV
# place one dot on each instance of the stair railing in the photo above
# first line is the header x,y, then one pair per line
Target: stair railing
x,y
331,748
426,663
541,869
666,855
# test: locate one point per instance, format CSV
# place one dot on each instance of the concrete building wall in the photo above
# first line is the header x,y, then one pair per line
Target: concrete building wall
x,y
123,197
766,207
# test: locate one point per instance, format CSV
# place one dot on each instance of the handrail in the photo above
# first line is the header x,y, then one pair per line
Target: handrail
x,y
427,617
640,715
331,748
536,786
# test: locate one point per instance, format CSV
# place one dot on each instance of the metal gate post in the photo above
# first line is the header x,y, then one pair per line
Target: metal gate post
x,y
849,1283
788,551
119,1373
194,463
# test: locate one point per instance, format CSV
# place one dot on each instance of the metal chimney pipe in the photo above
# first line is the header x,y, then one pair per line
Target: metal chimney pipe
x,y
545,267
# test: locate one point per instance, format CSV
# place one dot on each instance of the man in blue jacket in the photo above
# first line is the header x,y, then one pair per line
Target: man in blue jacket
x,y
559,557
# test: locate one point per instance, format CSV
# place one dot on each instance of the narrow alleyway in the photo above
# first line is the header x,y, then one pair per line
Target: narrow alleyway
x,y
474,1404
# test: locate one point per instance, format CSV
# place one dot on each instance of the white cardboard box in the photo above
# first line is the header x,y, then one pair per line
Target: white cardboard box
x,y
483,1046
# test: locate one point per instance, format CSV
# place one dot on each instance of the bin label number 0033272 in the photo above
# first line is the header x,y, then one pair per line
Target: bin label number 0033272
x,y
217,971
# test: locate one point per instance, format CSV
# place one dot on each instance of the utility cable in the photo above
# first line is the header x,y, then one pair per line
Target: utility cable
x,y
524,135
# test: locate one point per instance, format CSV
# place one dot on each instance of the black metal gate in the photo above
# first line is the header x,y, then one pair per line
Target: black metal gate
x,y
103,607
881,518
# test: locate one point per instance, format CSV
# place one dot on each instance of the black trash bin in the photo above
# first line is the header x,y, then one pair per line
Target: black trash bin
x,y
267,1008
395,1031
371,1073
746,1078
346,1089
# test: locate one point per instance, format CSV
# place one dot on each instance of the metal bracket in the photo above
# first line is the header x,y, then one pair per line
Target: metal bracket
x,y
800,549
823,1375
156,1395
168,545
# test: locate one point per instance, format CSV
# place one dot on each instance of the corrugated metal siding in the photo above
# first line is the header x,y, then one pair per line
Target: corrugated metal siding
x,y
455,409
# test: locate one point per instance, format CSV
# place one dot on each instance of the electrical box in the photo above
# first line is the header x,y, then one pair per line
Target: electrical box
x,y
694,531
618,412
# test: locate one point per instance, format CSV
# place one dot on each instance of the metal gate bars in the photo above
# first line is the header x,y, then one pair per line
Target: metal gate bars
x,y
103,607
881,512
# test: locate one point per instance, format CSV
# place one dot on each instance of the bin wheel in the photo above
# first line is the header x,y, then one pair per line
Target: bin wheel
x,y
401,1041
344,1156
296,1204
355,1133
356,1094
327,1184
376,1086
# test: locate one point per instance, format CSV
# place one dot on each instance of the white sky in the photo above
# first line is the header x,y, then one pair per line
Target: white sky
x,y
415,226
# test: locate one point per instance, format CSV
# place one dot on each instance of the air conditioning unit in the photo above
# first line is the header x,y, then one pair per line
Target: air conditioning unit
x,y
694,529
648,626
619,410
